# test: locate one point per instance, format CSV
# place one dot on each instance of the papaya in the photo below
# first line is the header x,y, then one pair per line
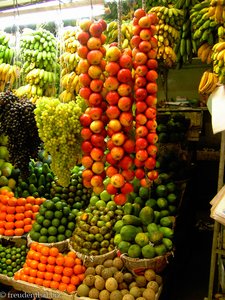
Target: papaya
x,y
155,237
123,246
118,225
167,221
151,202
152,227
128,233
134,251
142,239
168,243
160,249
157,216
136,209
148,251
117,239
146,215
127,209
131,220
167,232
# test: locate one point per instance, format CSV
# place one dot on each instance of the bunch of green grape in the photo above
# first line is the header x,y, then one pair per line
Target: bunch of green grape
x,y
59,128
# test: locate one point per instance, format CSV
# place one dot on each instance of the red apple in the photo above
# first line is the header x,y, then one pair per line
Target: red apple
x,y
136,29
125,61
118,138
86,133
120,199
95,113
85,92
112,97
117,153
141,70
96,85
141,119
139,173
111,83
139,13
152,88
87,161
145,46
110,144
97,154
126,163
112,68
94,57
97,140
126,119
96,29
114,125
145,22
152,53
142,155
152,150
151,100
82,51
150,163
85,120
96,126
125,103
152,64
152,138
98,167
154,18
84,80
150,113
129,146
140,58
112,190
113,53
152,76
85,24
83,37
154,42
151,125
127,188
96,181
153,29
145,35
112,112
110,171
141,94
86,147
83,66
95,99
141,143
117,180
141,131
124,89
128,175
138,163
124,75
135,41
94,43
141,106
110,159
140,81
153,175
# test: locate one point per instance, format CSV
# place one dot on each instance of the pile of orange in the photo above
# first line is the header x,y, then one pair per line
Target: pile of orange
x,y
47,267
17,214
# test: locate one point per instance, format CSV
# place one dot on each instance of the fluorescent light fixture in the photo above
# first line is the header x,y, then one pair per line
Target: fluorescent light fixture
x,y
51,12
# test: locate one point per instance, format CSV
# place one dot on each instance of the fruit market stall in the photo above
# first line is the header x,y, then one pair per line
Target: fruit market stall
x,y
92,170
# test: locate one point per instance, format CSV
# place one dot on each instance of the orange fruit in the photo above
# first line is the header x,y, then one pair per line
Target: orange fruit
x,y
20,209
27,221
24,277
10,217
48,275
51,260
78,269
34,264
58,269
69,262
60,260
10,209
54,285
75,280
53,251
35,208
33,272
39,281
33,245
19,231
71,288
67,271
19,224
30,199
17,276
50,268
28,206
26,270
40,274
2,215
39,247
62,287
27,228
36,256
2,231
21,201
28,214
12,201
19,216
41,267
43,259
56,277
30,253
9,232
31,279
65,279
45,251
72,254
46,283
81,276
78,261
2,224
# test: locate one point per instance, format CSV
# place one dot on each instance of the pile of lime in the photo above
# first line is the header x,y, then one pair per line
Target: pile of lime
x,y
55,222
12,259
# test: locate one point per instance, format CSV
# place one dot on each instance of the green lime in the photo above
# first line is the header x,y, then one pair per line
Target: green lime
x,y
105,196
52,230
71,217
66,211
144,192
64,221
75,211
47,223
171,186
61,229
36,227
58,214
56,199
161,190
8,261
68,233
52,239
71,226
42,210
34,235
93,200
77,205
4,272
40,219
10,274
49,204
61,237
172,198
162,203
43,239
44,231
9,268
59,205
56,222
49,214
8,255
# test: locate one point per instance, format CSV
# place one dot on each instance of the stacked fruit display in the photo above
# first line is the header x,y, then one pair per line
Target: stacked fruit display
x,y
146,229
120,144
93,234
218,58
49,268
59,129
17,214
75,195
112,33
38,51
18,124
111,280
69,79
217,11
91,66
54,222
145,65
205,53
12,258
167,32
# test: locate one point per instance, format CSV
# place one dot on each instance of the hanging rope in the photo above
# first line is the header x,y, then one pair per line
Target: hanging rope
x,y
119,11
92,10
144,4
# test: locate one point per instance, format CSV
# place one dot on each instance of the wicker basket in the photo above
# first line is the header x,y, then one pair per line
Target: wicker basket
x,y
17,240
138,265
93,260
62,246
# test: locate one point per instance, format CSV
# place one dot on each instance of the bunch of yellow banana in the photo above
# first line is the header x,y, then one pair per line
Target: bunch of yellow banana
x,y
169,15
41,77
205,53
221,33
218,58
70,42
217,11
8,75
6,53
167,55
112,33
70,82
203,26
208,83
68,62
67,96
